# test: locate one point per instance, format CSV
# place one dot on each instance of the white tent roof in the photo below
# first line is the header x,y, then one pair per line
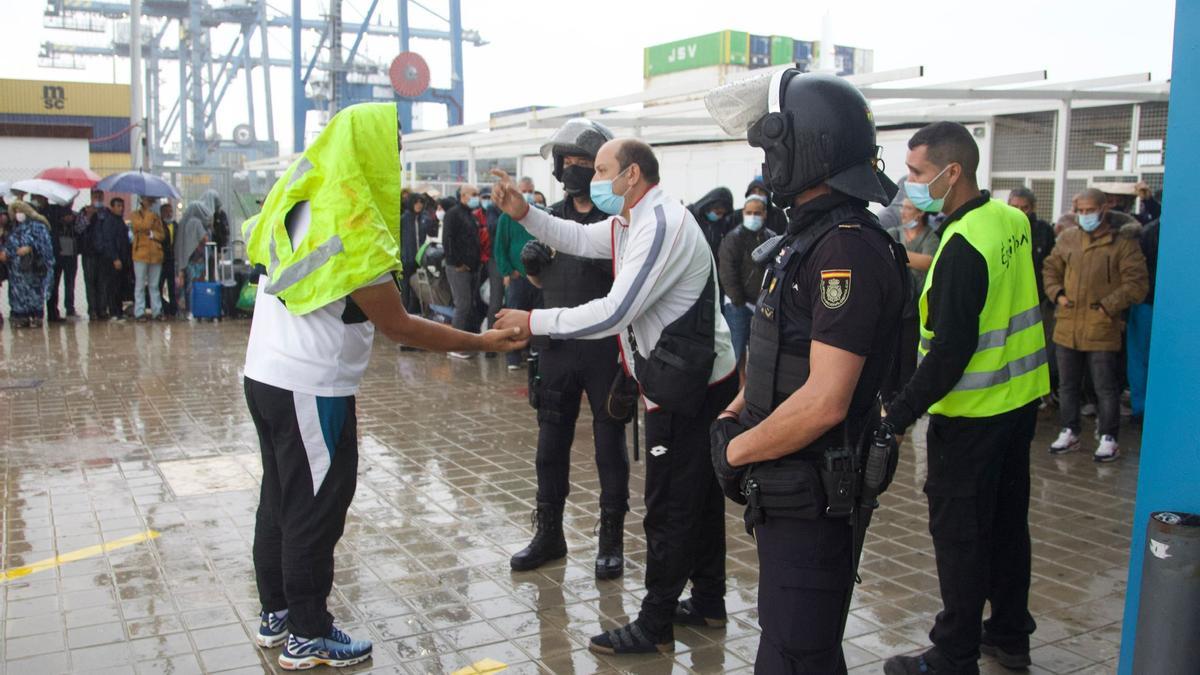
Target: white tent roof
x,y
679,116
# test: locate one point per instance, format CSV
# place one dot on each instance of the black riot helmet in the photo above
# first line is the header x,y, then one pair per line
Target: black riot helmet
x,y
580,137
818,129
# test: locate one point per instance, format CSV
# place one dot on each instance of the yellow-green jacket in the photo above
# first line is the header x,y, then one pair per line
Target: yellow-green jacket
x,y
350,176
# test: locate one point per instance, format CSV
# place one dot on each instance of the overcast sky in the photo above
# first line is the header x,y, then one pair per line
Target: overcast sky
x,y
555,52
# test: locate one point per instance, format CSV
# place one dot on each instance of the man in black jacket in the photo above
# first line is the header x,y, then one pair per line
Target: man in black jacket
x,y
1041,238
110,239
460,236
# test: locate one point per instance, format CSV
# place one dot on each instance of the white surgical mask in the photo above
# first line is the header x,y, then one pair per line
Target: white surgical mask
x,y
20,217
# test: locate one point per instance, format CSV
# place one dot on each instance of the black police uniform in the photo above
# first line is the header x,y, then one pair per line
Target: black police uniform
x,y
838,280
568,368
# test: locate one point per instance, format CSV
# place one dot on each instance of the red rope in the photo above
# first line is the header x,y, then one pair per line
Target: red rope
x,y
113,136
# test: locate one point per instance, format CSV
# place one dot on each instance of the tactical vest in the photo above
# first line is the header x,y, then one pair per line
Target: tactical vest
x,y
773,373
569,281
350,176
1008,368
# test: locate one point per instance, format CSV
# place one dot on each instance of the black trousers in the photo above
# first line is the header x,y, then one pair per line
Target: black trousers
x,y
805,578
166,288
65,268
112,287
310,462
978,491
568,369
685,511
93,286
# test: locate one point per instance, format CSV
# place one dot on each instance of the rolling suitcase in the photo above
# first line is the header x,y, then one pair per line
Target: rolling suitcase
x,y
206,295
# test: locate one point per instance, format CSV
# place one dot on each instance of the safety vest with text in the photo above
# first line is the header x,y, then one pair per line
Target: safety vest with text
x,y
1008,368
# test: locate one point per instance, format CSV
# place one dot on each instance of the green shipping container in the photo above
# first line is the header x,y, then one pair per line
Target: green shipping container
x,y
782,50
724,48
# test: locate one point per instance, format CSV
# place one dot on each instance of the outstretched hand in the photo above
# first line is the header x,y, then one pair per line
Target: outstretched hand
x,y
503,340
506,195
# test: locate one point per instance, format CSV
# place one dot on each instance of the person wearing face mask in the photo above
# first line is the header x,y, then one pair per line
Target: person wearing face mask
x,y
665,310
712,213
519,292
566,369
460,236
30,256
741,277
981,372
921,243
776,219
490,271
1093,275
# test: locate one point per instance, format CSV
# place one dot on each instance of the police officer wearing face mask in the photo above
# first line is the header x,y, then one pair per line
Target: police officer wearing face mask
x,y
982,369
565,369
795,443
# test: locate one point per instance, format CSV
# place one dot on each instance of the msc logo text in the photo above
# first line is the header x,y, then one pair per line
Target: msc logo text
x,y
54,98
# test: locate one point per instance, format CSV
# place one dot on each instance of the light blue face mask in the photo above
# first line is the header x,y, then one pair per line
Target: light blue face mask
x,y
485,203
918,194
911,225
712,216
529,198
1088,222
473,203
603,197
753,223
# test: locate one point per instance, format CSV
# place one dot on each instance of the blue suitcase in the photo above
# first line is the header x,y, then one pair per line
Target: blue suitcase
x,y
205,300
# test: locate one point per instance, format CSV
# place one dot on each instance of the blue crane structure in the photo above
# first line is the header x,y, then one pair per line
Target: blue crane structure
x,y
204,80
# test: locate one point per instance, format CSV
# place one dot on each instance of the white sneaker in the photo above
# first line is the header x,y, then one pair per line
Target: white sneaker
x,y
1108,450
460,355
1066,442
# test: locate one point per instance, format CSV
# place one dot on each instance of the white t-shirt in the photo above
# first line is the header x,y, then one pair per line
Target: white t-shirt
x,y
317,353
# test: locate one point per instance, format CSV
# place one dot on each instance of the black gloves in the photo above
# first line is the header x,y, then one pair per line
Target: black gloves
x,y
720,434
535,256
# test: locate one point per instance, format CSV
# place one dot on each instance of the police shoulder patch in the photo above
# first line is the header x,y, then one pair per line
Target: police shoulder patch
x,y
835,288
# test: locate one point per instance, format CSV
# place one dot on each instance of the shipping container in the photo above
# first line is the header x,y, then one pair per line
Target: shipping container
x,y
781,50
760,51
726,47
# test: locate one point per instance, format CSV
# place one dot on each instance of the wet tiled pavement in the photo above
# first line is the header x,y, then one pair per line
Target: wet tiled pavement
x,y
136,428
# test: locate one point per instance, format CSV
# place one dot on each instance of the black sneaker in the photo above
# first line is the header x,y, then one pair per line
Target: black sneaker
x,y
686,614
633,639
1015,660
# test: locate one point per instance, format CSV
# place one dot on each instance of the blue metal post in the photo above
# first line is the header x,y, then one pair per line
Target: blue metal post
x,y
455,115
1169,464
299,103
405,105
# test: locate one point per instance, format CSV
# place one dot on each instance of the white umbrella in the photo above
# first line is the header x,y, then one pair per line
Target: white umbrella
x,y
55,192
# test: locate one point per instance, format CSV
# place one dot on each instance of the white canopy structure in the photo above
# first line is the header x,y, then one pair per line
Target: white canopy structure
x,y
898,97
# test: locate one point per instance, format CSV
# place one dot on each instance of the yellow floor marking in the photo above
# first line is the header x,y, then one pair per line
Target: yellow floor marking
x,y
50,563
481,667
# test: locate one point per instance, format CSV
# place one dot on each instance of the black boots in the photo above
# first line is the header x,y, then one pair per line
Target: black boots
x,y
610,557
548,541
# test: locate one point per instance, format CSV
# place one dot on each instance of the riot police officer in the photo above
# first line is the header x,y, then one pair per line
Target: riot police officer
x,y
822,340
565,369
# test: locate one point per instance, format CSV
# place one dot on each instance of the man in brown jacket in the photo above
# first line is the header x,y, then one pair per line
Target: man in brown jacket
x,y
148,241
1093,275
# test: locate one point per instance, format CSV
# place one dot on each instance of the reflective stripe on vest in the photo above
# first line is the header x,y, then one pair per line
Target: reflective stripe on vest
x,y
1008,368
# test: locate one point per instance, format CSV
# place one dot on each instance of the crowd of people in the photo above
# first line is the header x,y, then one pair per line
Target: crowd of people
x,y
138,265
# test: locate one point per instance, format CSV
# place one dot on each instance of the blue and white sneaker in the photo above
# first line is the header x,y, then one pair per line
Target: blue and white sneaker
x,y
272,629
336,650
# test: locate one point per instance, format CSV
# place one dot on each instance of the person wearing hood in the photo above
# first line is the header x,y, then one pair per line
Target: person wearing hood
x,y
166,285
218,229
29,254
775,220
191,234
410,241
712,212
1093,275
741,277
328,238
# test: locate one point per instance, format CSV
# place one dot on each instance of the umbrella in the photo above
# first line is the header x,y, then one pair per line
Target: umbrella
x,y
75,176
138,183
55,192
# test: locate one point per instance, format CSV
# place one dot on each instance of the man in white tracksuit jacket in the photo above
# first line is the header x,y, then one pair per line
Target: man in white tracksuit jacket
x,y
661,267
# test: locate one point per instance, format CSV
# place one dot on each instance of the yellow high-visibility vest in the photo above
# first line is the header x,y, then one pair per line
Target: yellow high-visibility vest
x,y
350,176
1008,369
